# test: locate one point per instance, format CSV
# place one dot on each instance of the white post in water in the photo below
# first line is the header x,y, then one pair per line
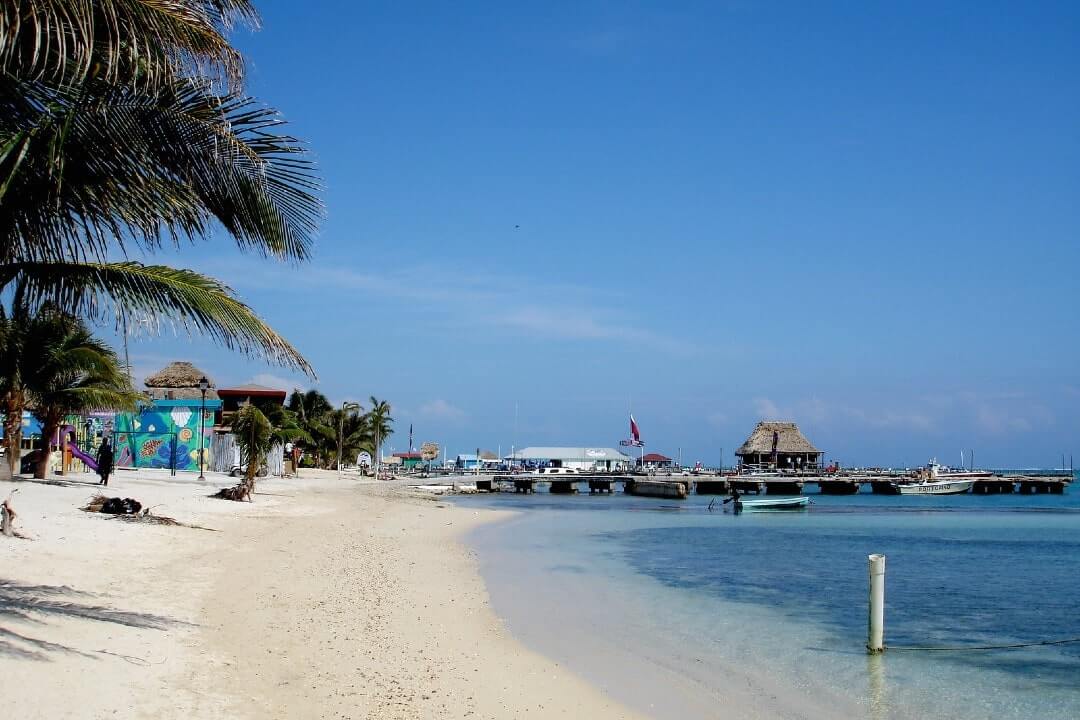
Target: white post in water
x,y
875,638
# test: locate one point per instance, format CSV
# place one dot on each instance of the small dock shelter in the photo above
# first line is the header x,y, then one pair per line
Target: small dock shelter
x,y
405,460
655,461
578,458
780,446
486,460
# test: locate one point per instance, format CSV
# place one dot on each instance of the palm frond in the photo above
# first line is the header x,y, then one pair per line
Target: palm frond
x,y
101,167
125,41
183,298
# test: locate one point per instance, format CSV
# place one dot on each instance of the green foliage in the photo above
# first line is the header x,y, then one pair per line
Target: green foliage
x,y
116,135
323,425
254,436
50,362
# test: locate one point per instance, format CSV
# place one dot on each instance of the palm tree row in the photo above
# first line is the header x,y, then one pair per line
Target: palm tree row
x,y
123,127
324,426
51,364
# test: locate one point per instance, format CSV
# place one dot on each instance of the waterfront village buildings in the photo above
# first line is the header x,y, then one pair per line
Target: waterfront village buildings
x,y
576,458
185,414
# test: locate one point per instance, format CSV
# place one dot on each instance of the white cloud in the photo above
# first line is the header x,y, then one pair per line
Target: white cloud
x,y
767,409
275,381
823,412
474,297
718,419
441,410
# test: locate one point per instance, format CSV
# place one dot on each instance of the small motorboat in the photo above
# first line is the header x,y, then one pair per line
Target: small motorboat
x,y
774,503
930,481
940,487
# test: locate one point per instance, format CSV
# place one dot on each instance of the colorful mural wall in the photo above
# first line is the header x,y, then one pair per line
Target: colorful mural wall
x,y
165,433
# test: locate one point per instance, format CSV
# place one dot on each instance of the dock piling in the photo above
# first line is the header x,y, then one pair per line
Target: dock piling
x,y
875,639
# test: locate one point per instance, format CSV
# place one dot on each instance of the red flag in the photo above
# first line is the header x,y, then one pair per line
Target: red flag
x,y
634,432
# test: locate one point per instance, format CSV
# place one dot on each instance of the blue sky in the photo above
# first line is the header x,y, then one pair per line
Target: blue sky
x,y
858,216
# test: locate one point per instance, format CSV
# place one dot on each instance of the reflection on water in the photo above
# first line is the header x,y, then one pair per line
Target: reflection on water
x,y
876,696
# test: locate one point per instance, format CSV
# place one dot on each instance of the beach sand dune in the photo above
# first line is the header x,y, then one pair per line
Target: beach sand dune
x,y
322,599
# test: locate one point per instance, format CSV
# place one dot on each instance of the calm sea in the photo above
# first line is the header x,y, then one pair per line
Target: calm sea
x,y
688,600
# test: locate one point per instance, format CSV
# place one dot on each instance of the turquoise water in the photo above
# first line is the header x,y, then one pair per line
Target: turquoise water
x,y
778,600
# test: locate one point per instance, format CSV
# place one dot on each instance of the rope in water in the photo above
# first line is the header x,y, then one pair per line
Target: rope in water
x,y
983,647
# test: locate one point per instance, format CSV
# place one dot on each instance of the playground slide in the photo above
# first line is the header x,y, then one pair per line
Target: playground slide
x,y
88,460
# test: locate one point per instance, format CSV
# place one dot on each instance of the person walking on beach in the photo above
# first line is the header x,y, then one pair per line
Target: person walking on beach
x,y
105,461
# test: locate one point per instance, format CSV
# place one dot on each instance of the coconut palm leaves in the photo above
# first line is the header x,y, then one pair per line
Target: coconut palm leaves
x,y
63,370
255,437
95,169
64,41
322,423
181,298
114,136
380,422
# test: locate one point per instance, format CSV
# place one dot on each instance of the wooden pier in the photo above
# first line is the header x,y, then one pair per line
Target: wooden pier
x,y
680,485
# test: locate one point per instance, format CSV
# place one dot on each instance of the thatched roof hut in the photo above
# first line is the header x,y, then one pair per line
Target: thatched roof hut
x,y
178,381
780,445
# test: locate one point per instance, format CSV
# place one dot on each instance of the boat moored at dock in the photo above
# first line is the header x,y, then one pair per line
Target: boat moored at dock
x,y
773,503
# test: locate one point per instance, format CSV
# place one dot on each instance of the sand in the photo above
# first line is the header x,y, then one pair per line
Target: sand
x,y
324,598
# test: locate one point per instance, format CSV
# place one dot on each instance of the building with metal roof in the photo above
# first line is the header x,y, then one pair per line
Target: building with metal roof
x,y
578,458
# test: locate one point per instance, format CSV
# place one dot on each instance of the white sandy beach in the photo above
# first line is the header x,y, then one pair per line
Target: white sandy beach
x,y
322,599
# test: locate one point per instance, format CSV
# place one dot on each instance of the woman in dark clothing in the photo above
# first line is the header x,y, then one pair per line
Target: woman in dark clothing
x,y
105,461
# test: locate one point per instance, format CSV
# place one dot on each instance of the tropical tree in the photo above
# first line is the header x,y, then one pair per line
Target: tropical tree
x,y
255,438
310,404
124,126
380,423
12,393
64,370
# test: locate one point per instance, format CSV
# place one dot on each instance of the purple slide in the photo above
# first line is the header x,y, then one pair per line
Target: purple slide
x,y
88,460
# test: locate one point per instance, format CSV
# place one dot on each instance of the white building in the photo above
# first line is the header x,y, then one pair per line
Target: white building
x,y
578,458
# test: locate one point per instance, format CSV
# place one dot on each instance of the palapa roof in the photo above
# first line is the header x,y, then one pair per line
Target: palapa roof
x,y
178,381
789,439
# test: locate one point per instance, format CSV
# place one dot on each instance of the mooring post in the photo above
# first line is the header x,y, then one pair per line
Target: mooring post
x,y
875,637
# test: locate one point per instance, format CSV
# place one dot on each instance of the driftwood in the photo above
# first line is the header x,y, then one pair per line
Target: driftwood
x,y
131,510
7,516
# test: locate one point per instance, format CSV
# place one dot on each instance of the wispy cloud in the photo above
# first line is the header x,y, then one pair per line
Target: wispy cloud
x,y
442,411
991,413
277,381
475,298
580,324
822,412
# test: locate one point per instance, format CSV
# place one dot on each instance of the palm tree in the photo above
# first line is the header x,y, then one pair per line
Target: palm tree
x,y
255,437
310,404
356,435
380,422
315,415
64,370
123,126
12,393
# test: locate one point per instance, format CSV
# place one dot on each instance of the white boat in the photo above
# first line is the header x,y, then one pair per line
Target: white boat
x,y
556,471
774,503
937,487
932,482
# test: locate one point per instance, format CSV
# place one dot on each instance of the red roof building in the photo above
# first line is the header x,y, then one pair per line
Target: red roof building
x,y
234,398
655,460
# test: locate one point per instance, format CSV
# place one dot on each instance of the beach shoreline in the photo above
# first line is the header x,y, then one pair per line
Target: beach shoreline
x,y
323,598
